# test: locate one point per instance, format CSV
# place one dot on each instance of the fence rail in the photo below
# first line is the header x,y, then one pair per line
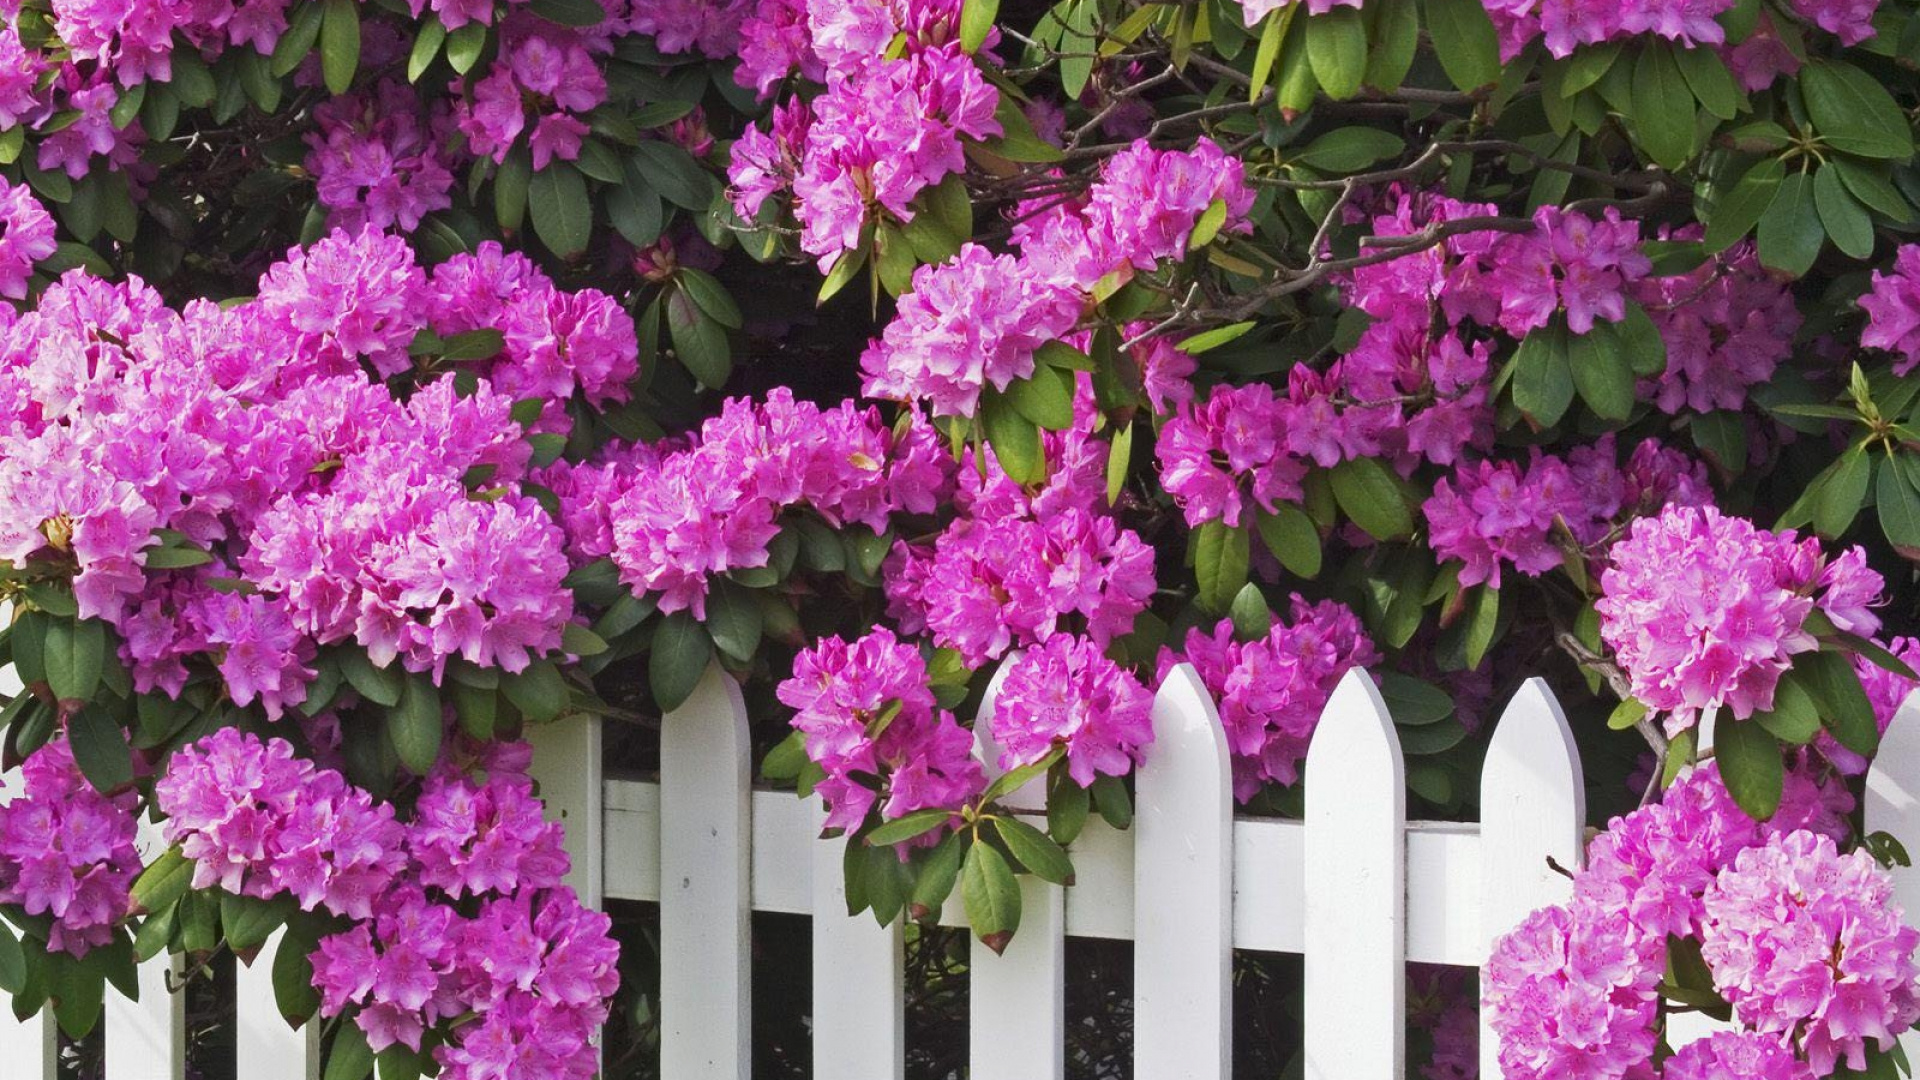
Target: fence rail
x,y
1354,888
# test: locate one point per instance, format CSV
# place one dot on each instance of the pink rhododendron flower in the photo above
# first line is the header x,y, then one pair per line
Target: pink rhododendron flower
x,y
1893,310
1065,692
66,851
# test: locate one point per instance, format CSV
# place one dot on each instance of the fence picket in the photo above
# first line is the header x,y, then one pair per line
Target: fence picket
x,y
1183,890
859,971
1355,917
146,1040
1018,999
1532,808
1893,797
30,1048
265,1047
706,834
567,766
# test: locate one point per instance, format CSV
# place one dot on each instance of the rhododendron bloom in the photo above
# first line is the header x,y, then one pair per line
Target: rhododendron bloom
x,y
67,851
1066,693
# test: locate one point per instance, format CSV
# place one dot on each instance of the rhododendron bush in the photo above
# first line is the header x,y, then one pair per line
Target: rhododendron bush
x,y
381,381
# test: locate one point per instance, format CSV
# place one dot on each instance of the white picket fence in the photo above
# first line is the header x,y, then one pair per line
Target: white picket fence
x,y
1355,887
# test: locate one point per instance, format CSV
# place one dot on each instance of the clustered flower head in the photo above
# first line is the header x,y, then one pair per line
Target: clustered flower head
x,y
378,158
1495,514
1805,943
258,821
1727,326
865,707
1270,691
1066,693
459,925
543,67
26,237
1016,566
715,506
1893,310
332,511
67,851
1704,610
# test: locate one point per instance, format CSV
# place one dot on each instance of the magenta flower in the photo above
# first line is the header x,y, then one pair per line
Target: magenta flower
x,y
67,851
1066,693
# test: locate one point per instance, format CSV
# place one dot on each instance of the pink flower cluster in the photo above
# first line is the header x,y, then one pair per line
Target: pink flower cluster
x,y
1066,693
1270,690
973,321
26,237
1219,455
378,158
545,79
715,506
1806,944
523,969
1016,566
1254,11
1705,611
1495,514
1893,310
257,821
1886,692
865,708
1727,326
253,431
1809,947
67,851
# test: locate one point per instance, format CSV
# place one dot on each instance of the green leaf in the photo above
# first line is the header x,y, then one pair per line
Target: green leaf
x,y
1543,375
1291,537
1852,112
562,213
415,727
465,45
78,991
1790,234
570,12
1712,84
1337,49
1844,489
1601,372
1663,116
293,989
13,962
351,1058
1251,616
75,652
1067,807
1014,779
382,686
1844,708
1483,618
1214,338
711,296
843,272
1465,42
1898,506
1349,149
699,341
1220,553
681,652
163,882
1046,397
1395,40
1273,30
991,896
1749,758
1737,211
100,749
510,184
674,174
1626,714
1794,718
1014,438
1372,498
976,19
426,49
247,923
303,29
1119,458
1036,850
1111,800
1870,184
1077,41
1414,702
340,44
906,827
1846,221
539,692
937,876
733,619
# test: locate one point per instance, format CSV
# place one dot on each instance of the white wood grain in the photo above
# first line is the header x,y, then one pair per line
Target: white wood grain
x,y
1183,890
1018,999
1355,917
146,1040
28,1048
1532,808
265,1047
706,903
567,768
859,1003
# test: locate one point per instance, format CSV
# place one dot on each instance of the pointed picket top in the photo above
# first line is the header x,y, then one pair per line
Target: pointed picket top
x,y
1018,1026
706,838
1893,796
1183,889
1532,808
1355,910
